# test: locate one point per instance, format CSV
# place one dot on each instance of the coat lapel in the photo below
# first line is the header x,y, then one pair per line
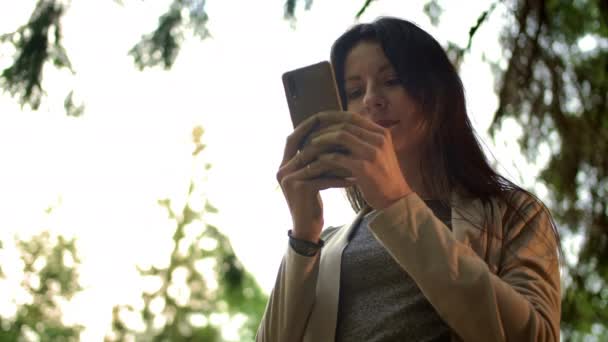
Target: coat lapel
x,y
324,316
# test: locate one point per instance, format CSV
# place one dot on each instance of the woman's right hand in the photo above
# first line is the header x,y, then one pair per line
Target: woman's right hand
x,y
301,184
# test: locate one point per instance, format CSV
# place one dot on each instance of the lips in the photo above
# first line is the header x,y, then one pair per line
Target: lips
x,y
387,123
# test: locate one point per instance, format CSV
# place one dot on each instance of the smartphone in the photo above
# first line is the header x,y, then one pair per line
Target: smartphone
x,y
310,90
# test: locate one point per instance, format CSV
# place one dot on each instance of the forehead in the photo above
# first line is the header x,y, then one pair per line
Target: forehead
x,y
366,57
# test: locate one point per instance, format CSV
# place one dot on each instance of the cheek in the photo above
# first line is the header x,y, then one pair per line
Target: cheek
x,y
408,114
408,136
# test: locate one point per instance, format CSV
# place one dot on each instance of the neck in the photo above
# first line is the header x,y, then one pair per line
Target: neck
x,y
410,167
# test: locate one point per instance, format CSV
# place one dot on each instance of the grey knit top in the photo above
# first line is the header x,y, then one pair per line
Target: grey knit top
x,y
378,300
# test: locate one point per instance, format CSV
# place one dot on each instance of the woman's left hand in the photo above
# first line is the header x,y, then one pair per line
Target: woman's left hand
x,y
370,156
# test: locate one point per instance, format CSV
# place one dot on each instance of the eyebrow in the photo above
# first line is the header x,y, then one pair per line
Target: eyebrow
x,y
383,68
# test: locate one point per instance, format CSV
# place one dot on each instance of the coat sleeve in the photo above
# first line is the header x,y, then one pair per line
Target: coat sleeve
x,y
520,303
292,297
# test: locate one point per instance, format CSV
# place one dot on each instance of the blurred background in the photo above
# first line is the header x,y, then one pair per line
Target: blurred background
x,y
139,142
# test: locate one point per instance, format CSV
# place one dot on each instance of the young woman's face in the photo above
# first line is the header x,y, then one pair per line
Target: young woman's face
x,y
373,89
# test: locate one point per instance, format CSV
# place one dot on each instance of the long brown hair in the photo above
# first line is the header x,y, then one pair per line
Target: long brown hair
x,y
452,156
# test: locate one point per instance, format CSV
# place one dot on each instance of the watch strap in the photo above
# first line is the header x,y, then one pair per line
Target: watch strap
x,y
304,247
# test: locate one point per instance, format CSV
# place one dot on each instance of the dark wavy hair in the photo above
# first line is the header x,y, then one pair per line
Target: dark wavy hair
x,y
452,154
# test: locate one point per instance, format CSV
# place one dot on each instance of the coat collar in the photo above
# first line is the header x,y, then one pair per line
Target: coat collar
x,y
323,319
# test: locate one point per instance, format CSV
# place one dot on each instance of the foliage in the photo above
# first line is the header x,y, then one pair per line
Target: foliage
x,y
203,278
36,42
558,91
40,41
290,8
552,85
162,45
49,280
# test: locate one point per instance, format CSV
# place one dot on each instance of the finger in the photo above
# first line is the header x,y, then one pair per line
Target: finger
x,y
338,171
338,161
327,129
295,163
328,118
316,176
309,154
295,139
319,184
355,147
371,137
317,169
314,168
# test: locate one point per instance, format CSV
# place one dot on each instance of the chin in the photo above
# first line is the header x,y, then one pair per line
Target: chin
x,y
405,150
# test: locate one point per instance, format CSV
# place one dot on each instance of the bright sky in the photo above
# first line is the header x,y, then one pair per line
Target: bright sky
x,y
105,171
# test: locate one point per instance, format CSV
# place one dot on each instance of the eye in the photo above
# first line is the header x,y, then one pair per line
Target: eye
x,y
353,94
392,81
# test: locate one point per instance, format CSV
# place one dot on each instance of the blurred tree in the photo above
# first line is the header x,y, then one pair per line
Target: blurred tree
x,y
49,279
555,85
557,88
203,279
40,41
37,42
162,46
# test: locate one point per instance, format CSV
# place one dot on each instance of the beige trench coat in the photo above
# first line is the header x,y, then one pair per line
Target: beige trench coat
x,y
484,288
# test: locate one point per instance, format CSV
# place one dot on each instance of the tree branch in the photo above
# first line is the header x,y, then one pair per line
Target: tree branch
x,y
363,9
34,48
480,20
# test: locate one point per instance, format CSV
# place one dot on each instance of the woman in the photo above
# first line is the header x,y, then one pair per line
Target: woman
x,y
443,248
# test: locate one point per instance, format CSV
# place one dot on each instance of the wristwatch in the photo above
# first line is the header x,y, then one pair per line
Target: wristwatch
x,y
303,247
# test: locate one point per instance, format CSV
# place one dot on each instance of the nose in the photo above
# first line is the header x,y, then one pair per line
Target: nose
x,y
373,99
